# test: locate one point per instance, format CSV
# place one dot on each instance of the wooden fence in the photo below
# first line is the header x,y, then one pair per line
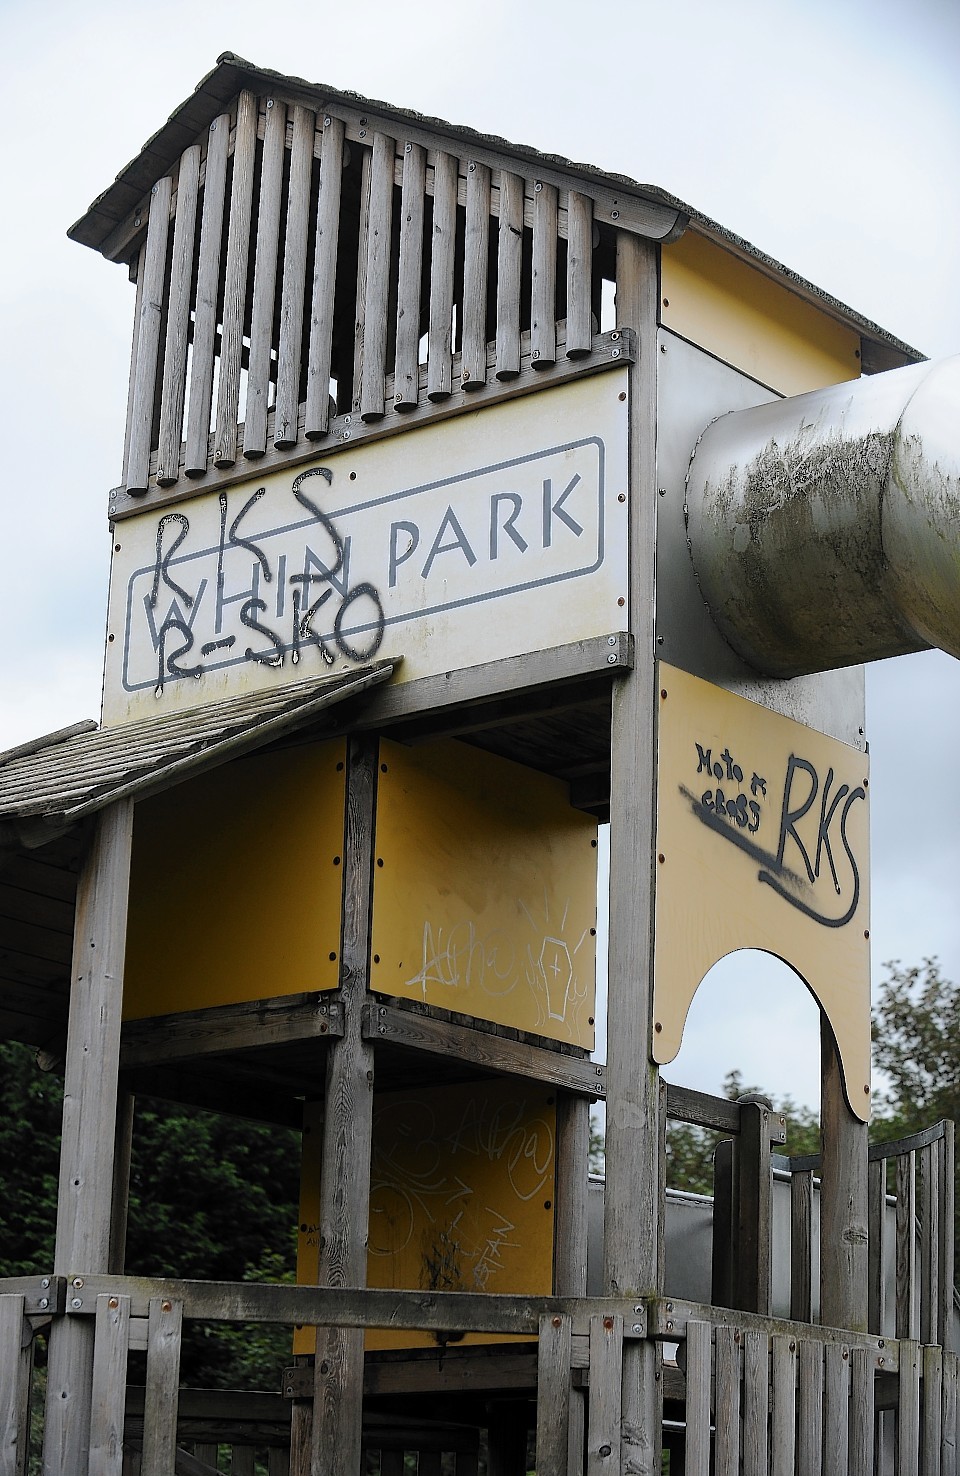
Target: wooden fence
x,y
300,266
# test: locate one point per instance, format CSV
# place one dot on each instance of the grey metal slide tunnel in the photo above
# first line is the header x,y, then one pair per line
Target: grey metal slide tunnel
x,y
825,528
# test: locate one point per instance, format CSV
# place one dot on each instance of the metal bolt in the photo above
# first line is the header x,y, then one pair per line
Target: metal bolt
x,y
44,1303
345,436
638,1327
536,354
600,1073
661,491
45,1281
608,1323
614,215
363,133
327,121
165,1306
407,148
611,660
538,187
615,334
659,640
269,102
622,497
472,168
383,1029
114,1302
615,354
611,640
669,1327
663,348
639,1308
556,1321
78,1282
77,1303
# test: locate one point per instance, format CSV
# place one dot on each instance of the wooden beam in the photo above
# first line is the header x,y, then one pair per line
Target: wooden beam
x,y
844,1218
250,1025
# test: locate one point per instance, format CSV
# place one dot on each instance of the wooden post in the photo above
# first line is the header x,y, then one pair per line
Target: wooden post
x,y
843,1200
570,1244
630,1251
347,1131
753,1196
85,1200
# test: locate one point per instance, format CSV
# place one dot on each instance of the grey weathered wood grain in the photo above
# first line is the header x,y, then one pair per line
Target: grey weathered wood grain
x,y
553,1394
121,1182
111,1343
697,1459
406,379
908,1418
754,1190
579,274
322,300
810,1424
196,453
801,1246
294,283
723,1242
783,1414
948,1438
379,237
163,1379
134,345
756,1384
264,281
932,1410
543,310
509,269
906,1245
243,1461
152,305
442,258
604,1450
15,1366
173,390
235,282
928,1214
862,1413
727,1401
947,1249
473,354
360,298
225,1028
570,1215
836,1402
876,1263
843,1199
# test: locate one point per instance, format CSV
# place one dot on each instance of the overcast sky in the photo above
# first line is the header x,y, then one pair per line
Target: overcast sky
x,y
827,132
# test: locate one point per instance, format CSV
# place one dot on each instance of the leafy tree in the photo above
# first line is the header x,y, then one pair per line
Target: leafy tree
x,y
690,1149
916,1044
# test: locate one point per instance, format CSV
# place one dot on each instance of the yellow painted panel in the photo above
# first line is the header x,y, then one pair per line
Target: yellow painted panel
x,y
485,891
236,883
735,312
762,842
461,1196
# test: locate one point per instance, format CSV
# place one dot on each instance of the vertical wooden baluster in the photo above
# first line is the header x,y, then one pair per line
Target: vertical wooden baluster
x,y
439,349
756,1402
406,380
783,1422
317,413
579,274
604,1420
836,1405
360,317
876,1214
265,281
294,285
553,1393
810,1423
235,282
571,1230
801,1246
697,1457
543,325
932,1410
208,284
727,1402
948,1435
178,319
947,1249
862,1413
379,235
148,337
110,1348
509,269
723,1277
134,344
164,1330
906,1243
908,1409
930,1331
16,1363
473,355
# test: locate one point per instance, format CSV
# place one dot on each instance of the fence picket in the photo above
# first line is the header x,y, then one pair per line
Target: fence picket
x,y
110,1347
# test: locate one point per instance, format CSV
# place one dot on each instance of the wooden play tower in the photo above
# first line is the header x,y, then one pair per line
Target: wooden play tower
x,y
425,563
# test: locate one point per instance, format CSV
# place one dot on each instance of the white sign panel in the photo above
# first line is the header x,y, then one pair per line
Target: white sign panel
x,y
488,535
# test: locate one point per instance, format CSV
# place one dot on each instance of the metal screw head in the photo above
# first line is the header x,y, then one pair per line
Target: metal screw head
x,y
472,168
165,1306
269,102
77,1302
114,1302
535,354
615,354
611,660
327,121
45,1281
44,1302
611,640
78,1282
538,187
408,148
669,1327
614,215
638,1327
615,335
363,133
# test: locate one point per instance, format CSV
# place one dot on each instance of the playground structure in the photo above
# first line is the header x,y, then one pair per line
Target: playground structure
x,y
471,497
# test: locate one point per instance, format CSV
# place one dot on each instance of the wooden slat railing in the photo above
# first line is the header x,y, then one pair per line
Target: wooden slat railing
x,y
320,305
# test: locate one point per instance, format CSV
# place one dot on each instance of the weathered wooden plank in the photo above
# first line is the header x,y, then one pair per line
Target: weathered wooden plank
x,y
843,1199
243,1461
697,1458
929,1240
379,235
16,1362
294,284
196,451
553,1394
810,1423
932,1411
406,379
89,1121
877,1228
605,1411
111,1343
579,274
134,344
906,1245
702,1110
264,281
783,1415
123,1151
152,304
360,300
235,282
17,904
543,311
948,1435
908,1415
756,1400
509,269
572,1184
442,257
322,302
163,1378
278,1461
174,382
727,1402
862,1413
754,1190
206,1452
945,1317
226,1028
473,353
836,1402
722,1273
801,1247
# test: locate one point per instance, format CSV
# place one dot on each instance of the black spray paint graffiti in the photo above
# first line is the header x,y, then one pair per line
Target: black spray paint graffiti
x,y
310,591
811,836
